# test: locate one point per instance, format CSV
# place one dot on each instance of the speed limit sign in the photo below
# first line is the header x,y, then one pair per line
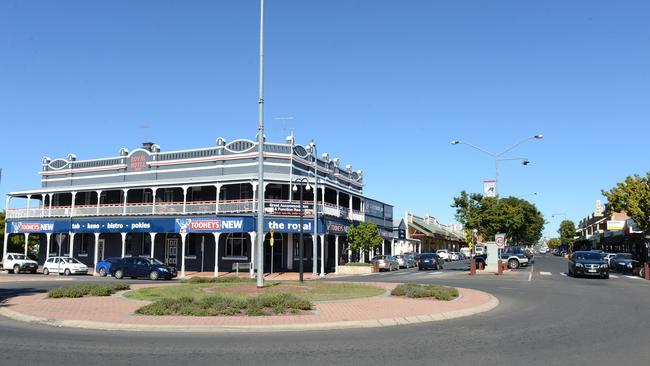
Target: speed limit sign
x,y
501,240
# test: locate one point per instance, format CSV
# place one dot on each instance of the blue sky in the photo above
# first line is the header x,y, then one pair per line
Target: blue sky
x,y
383,85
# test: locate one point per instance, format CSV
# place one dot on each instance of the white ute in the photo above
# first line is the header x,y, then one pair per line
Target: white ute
x,y
16,263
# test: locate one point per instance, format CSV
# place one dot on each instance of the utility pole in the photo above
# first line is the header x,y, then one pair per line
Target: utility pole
x,y
260,160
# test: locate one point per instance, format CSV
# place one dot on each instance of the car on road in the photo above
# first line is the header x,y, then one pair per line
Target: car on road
x,y
623,262
543,250
584,263
64,265
103,267
454,256
480,260
443,253
516,256
430,261
385,262
608,257
479,250
465,252
16,263
138,267
405,261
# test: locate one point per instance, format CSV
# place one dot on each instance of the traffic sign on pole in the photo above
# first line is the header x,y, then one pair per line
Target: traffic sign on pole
x,y
500,240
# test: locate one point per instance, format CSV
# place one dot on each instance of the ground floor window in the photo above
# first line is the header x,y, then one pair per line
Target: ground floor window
x,y
235,245
83,246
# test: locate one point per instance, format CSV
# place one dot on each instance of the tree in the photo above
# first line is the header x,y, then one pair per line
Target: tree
x,y
364,236
633,197
554,243
517,218
567,232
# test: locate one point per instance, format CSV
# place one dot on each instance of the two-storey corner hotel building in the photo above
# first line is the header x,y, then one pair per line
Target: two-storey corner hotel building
x,y
196,209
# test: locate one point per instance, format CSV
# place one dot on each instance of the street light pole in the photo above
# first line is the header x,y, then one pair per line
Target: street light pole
x,y
498,157
260,159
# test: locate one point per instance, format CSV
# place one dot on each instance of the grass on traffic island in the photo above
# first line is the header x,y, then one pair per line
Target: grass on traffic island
x,y
86,289
414,290
232,296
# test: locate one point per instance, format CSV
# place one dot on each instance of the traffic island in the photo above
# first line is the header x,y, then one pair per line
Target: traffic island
x,y
118,313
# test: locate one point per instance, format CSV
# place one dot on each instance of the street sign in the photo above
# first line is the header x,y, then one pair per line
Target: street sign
x,y
490,188
272,241
501,240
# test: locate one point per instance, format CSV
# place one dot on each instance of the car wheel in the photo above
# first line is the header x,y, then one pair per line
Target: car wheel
x,y
67,272
153,275
606,277
46,271
513,264
102,272
119,274
16,269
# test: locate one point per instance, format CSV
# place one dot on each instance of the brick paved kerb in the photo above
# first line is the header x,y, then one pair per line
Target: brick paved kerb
x,y
117,313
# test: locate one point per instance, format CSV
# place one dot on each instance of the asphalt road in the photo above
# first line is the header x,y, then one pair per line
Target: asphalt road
x,y
544,318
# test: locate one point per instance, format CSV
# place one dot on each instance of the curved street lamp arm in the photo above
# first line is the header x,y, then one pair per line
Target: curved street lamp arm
x,y
478,148
518,144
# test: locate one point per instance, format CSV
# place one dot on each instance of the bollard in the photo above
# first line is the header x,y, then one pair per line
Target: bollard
x,y
646,271
500,268
472,267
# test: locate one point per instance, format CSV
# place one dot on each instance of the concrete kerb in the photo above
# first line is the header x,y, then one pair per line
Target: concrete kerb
x,y
340,325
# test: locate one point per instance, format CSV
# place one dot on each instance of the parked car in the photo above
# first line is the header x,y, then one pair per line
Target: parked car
x,y
443,253
465,252
479,250
136,267
385,262
516,256
65,265
608,257
405,261
430,261
543,250
103,267
555,252
480,260
454,256
16,263
622,262
584,263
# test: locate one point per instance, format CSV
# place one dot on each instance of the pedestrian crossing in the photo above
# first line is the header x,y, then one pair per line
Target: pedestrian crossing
x,y
613,276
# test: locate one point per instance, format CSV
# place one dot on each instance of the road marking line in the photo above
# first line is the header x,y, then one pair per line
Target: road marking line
x,y
545,273
530,276
633,277
563,274
613,276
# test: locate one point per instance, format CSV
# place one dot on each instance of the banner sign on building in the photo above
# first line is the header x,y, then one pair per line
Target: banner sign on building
x,y
337,227
289,225
615,225
32,227
374,208
599,209
288,208
490,188
220,224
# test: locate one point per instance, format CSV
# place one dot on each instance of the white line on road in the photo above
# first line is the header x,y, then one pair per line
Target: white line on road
x,y
545,273
613,276
563,274
633,277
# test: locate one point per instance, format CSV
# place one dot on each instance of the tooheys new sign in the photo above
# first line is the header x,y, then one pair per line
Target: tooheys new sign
x,y
288,208
224,224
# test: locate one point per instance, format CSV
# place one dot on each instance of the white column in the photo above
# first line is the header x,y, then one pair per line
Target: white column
x,y
26,242
383,247
74,196
6,236
152,236
216,248
126,193
71,243
218,187
96,252
185,199
314,254
336,254
183,236
254,196
123,244
253,237
322,256
47,245
349,255
153,203
338,203
29,203
350,208
362,255
49,212
99,200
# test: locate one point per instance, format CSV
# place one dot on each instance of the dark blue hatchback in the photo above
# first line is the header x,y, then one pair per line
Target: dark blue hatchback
x,y
137,267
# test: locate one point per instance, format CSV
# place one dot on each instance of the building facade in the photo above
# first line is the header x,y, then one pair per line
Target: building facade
x,y
196,209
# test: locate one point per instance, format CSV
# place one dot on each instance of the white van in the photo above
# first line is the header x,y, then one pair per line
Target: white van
x,y
465,251
479,250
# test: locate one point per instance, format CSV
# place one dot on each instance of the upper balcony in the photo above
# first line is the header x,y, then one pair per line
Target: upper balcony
x,y
204,200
